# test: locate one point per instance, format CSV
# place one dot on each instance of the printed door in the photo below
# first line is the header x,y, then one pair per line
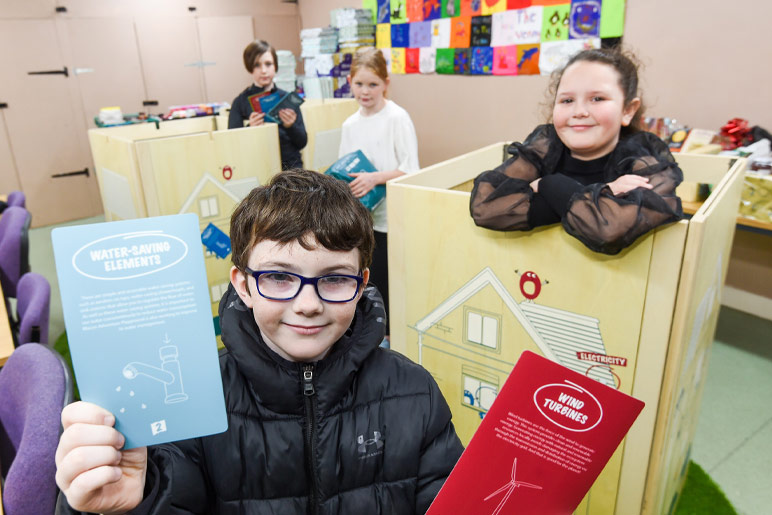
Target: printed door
x,y
222,44
171,61
108,73
9,179
45,128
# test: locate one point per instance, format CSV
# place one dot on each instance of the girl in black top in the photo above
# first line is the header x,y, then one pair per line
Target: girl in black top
x,y
260,60
591,169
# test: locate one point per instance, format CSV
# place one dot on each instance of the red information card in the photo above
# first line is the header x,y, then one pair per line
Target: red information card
x,y
541,446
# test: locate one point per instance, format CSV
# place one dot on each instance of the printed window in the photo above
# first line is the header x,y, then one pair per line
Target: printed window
x,y
482,329
218,290
479,394
208,207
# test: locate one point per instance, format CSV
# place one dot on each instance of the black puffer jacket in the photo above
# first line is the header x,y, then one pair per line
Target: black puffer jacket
x,y
373,435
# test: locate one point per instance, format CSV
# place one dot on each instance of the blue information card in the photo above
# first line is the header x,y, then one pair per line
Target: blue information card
x,y
139,325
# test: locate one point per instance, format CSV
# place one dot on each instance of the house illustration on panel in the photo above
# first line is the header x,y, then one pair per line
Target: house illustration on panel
x,y
472,339
214,202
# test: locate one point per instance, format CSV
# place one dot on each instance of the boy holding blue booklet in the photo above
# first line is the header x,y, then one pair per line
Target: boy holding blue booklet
x,y
321,420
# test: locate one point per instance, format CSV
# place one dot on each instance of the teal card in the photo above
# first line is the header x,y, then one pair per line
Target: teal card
x,y
139,324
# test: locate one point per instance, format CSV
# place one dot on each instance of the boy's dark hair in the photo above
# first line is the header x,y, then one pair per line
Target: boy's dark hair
x,y
255,50
300,205
626,66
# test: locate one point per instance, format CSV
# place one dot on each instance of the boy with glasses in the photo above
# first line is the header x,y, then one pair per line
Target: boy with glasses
x,y
321,420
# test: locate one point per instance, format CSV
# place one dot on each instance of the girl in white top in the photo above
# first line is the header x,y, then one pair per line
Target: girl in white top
x,y
384,132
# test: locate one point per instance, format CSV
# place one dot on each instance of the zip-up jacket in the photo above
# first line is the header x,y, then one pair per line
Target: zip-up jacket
x,y
365,430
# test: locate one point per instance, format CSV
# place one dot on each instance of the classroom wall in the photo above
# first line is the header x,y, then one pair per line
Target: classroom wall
x,y
705,61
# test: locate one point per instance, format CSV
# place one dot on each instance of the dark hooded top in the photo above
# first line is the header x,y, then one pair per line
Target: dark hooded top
x,y
372,435
576,193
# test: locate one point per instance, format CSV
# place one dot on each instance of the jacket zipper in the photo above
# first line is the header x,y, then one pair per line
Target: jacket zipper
x,y
308,394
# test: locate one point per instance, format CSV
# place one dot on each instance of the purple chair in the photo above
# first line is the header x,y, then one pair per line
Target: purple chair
x,y
34,387
14,248
16,198
33,300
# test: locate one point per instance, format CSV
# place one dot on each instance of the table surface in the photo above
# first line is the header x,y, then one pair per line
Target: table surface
x,y
691,207
6,340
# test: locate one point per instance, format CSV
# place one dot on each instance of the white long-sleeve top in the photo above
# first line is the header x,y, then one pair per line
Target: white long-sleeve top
x,y
388,140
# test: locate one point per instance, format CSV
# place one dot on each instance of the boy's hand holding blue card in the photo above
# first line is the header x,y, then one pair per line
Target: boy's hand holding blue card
x,y
267,103
139,325
357,162
289,101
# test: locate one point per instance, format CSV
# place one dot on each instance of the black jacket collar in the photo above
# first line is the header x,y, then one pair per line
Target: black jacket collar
x,y
275,381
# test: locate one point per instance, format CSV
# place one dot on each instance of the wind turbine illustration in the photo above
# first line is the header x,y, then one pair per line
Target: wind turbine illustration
x,y
509,487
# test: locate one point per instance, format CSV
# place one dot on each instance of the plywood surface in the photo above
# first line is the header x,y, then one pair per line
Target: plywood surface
x,y
705,261
468,307
321,116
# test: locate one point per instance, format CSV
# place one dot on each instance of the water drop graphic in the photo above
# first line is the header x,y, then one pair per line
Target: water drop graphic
x,y
131,393
123,410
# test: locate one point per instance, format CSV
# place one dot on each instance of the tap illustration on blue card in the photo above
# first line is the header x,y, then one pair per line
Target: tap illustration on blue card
x,y
138,316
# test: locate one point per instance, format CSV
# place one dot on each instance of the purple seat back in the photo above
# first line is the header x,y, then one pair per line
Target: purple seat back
x,y
14,254
33,300
16,198
32,394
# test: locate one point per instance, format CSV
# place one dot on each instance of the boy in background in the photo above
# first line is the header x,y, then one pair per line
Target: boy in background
x,y
321,420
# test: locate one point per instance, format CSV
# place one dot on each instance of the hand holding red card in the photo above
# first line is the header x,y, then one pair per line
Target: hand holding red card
x,y
542,444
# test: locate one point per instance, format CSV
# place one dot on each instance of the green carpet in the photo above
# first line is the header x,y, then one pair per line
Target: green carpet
x,y
62,347
701,495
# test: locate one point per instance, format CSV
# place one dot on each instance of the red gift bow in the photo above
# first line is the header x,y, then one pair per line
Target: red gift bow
x,y
735,133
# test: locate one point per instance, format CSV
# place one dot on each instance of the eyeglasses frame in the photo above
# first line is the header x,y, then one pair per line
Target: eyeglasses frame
x,y
303,281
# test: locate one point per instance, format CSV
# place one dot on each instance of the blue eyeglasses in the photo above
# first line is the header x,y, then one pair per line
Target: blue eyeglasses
x,y
277,285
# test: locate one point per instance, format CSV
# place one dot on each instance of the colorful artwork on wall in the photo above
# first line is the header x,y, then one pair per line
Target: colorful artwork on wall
x,y
491,37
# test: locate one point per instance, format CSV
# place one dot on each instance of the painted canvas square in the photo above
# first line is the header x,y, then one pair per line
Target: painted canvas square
x,y
503,28
387,57
505,60
432,9
528,59
383,35
555,22
373,6
383,14
471,7
445,57
528,25
482,60
612,18
441,33
493,6
400,35
398,11
462,58
420,34
584,21
450,8
553,55
427,60
415,10
398,60
412,60
522,4
460,31
481,31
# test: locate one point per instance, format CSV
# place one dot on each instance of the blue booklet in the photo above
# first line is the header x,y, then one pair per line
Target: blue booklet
x,y
139,325
267,103
355,162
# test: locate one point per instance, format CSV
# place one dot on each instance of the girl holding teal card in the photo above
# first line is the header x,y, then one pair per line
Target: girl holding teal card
x,y
384,132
